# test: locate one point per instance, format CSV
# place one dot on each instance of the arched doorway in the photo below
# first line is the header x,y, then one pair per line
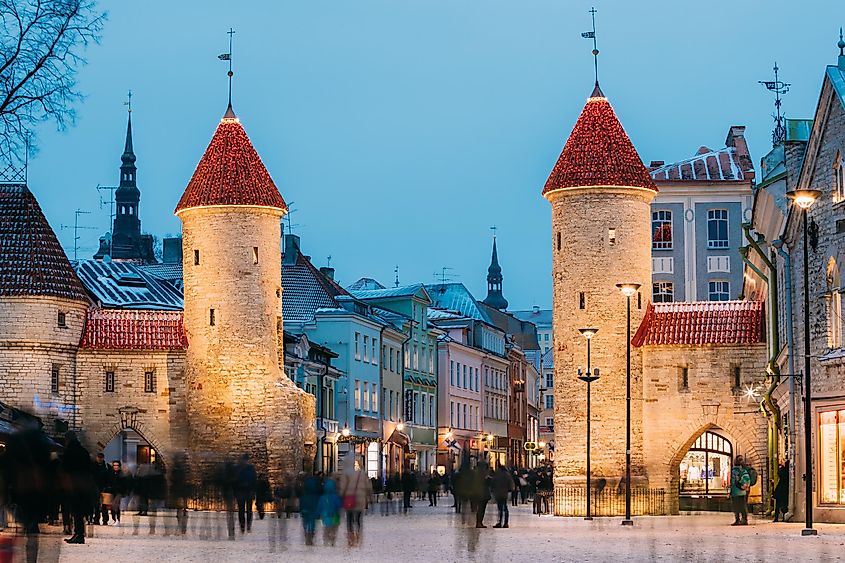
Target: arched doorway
x,y
132,450
705,473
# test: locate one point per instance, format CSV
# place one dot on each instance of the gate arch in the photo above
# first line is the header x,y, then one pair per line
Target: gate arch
x,y
129,420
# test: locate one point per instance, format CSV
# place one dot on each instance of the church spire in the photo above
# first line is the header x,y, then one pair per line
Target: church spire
x,y
494,281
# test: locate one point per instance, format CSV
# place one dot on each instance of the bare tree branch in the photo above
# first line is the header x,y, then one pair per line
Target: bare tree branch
x,y
41,45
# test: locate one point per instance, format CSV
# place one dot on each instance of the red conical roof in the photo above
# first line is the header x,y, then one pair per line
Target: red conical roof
x,y
231,172
598,152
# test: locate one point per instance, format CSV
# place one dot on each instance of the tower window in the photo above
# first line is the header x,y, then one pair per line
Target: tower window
x,y
212,320
611,237
61,321
558,240
255,255
684,378
109,382
54,379
196,257
639,300
737,377
582,300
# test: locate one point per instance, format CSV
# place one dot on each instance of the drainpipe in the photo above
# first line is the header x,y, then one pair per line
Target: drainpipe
x,y
772,369
787,274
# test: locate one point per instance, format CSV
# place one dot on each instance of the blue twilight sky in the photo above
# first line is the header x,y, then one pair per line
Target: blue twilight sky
x,y
401,130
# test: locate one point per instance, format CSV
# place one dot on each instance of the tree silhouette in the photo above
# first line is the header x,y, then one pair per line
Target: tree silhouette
x,y
41,42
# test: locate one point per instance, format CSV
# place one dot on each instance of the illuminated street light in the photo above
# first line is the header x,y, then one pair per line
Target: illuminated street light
x,y
345,431
628,290
401,426
588,378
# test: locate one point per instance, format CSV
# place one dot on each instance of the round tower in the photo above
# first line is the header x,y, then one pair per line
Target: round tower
x,y
239,401
600,194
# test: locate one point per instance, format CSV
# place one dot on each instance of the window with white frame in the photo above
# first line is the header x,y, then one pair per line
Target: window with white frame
x,y
466,420
357,346
366,396
476,379
357,395
366,348
717,228
452,413
374,355
374,400
661,229
452,373
550,401
550,379
662,292
465,377
718,290
834,315
416,357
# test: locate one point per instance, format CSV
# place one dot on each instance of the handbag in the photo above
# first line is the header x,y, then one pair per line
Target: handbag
x,y
349,500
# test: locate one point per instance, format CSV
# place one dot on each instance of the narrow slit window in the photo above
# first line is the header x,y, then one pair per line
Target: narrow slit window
x,y
255,255
54,379
61,321
558,240
582,300
639,300
149,382
196,257
611,237
684,378
109,382
737,377
212,320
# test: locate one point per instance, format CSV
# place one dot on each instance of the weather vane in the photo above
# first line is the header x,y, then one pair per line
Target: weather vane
x,y
592,35
494,228
128,101
228,57
778,87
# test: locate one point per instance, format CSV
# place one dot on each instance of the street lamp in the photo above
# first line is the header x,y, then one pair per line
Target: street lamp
x,y
628,290
804,199
589,377
401,426
345,431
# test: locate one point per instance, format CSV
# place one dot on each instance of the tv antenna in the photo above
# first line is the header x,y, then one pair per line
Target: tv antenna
x,y
444,275
76,228
779,88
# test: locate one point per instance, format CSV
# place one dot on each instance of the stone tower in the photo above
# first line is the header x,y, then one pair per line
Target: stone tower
x,y
600,194
494,283
238,399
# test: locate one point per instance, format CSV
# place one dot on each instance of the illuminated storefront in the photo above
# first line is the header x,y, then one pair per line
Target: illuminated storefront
x,y
831,468
706,468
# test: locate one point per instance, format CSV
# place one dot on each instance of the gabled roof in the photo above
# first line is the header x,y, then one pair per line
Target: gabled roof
x,y
306,290
456,297
114,329
704,322
123,285
706,165
598,153
365,284
413,290
32,261
231,173
540,317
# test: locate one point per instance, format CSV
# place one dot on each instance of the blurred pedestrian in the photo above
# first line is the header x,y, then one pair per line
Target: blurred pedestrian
x,y
781,492
356,492
329,508
481,492
103,478
740,483
308,507
245,492
501,484
180,491
433,488
76,463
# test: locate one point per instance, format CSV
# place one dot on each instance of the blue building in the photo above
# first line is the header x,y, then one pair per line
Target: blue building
x,y
697,220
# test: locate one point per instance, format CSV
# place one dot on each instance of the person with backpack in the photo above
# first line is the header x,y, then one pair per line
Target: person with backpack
x,y
740,484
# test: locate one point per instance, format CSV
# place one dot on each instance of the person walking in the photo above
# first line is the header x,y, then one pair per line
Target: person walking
x,y
120,488
245,492
481,493
180,491
329,508
781,492
501,484
515,491
409,484
103,478
308,507
76,463
740,483
356,492
433,488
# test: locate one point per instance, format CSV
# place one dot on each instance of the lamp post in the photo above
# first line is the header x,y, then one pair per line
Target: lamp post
x,y
805,199
628,290
588,378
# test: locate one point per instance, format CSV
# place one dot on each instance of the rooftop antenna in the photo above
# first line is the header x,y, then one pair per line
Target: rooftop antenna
x,y
444,277
779,88
396,273
228,57
76,228
592,35
289,218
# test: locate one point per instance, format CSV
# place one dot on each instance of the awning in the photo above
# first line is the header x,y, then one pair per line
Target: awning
x,y
400,438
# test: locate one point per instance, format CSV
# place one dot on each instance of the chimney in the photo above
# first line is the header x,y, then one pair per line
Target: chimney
x,y
328,272
171,250
291,252
536,309
656,164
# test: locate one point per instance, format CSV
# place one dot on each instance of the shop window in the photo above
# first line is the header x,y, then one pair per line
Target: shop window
x,y
706,467
832,457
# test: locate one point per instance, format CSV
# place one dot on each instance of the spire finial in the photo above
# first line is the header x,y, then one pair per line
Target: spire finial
x,y
778,87
494,228
841,44
592,35
396,274
230,74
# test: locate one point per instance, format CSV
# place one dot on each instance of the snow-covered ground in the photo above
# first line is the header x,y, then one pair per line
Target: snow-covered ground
x,y
437,535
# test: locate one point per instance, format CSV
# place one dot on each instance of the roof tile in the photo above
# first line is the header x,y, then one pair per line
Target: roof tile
x,y
705,322
121,329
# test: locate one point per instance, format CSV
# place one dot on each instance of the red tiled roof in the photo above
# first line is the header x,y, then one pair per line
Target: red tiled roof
x,y
125,329
704,322
32,261
598,152
230,173
731,163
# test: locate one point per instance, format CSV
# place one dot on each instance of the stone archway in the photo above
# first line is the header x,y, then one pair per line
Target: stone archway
x,y
128,419
743,442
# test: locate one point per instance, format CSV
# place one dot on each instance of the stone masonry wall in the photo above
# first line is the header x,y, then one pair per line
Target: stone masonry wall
x,y
238,399
674,416
588,260
31,343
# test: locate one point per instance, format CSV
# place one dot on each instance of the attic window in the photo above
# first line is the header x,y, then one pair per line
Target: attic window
x,y
62,320
196,257
255,255
130,279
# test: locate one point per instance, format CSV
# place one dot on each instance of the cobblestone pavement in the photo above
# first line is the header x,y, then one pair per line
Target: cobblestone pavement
x,y
436,534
